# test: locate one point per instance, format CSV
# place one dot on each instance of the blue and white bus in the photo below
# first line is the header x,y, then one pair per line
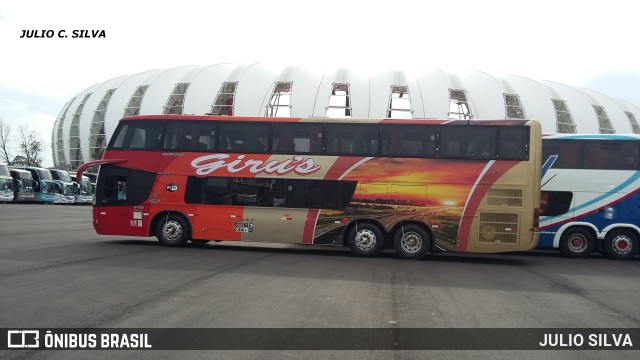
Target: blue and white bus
x,y
591,194
64,187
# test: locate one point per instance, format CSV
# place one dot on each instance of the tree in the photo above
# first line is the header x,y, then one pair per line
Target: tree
x,y
5,130
30,145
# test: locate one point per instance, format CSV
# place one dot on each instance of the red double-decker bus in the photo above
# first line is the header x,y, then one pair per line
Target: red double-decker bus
x,y
413,185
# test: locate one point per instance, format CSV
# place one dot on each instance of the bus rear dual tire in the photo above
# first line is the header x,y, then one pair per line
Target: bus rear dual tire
x,y
621,244
410,241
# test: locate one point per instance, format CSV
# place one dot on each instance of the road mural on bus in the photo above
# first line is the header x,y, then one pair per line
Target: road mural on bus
x,y
391,190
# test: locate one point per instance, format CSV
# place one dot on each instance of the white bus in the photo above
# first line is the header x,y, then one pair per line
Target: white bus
x,y
591,194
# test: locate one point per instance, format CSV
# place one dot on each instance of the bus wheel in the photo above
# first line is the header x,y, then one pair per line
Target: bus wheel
x,y
172,230
577,243
412,242
365,239
621,244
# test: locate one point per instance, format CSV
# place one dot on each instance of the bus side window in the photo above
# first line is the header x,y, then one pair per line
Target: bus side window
x,y
556,202
217,191
115,188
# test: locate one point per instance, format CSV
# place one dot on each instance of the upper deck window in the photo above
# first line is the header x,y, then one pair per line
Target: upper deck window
x,y
409,140
190,136
593,154
244,137
352,139
468,142
137,135
297,138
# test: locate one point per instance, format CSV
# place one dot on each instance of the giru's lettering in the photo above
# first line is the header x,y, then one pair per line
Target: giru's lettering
x,y
207,164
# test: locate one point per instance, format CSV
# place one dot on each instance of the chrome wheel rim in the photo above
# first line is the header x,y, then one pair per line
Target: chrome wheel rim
x,y
577,243
171,230
365,239
621,244
411,242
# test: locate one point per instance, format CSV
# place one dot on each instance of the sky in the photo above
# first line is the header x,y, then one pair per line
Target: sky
x,y
589,44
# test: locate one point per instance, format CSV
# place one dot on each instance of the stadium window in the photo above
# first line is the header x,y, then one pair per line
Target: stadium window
x,y
175,102
633,122
339,101
133,107
399,103
564,120
513,107
280,101
223,104
603,120
459,105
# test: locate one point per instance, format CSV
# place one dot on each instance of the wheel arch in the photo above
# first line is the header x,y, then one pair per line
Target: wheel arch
x,y
620,226
163,214
584,225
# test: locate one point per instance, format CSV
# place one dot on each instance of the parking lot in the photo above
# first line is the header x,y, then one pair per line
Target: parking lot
x,y
55,272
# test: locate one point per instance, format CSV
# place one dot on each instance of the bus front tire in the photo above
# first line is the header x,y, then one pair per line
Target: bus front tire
x,y
577,243
621,244
366,240
412,242
172,230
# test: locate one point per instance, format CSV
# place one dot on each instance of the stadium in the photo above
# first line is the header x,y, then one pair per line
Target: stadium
x,y
86,122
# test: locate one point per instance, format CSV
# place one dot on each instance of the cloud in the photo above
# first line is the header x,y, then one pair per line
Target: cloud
x,y
36,112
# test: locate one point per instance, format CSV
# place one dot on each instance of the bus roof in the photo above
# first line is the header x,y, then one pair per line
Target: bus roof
x,y
223,118
592,136
19,171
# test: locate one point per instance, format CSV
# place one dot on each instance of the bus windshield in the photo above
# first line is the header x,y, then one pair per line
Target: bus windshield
x,y
60,175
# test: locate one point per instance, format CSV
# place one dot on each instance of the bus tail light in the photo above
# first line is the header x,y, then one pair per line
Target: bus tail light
x,y
536,219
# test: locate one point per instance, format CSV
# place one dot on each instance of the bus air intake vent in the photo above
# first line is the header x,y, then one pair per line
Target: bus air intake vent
x,y
504,197
499,228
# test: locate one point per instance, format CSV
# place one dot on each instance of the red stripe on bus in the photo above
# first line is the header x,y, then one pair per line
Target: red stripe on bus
x,y
341,166
310,226
498,169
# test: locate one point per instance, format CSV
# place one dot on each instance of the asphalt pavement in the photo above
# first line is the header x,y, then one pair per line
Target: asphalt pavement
x,y
55,272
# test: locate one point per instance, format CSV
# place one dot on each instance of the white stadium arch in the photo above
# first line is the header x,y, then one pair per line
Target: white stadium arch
x,y
84,125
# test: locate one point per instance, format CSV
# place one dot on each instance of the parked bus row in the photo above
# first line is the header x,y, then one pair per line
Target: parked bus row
x,y
40,185
416,186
